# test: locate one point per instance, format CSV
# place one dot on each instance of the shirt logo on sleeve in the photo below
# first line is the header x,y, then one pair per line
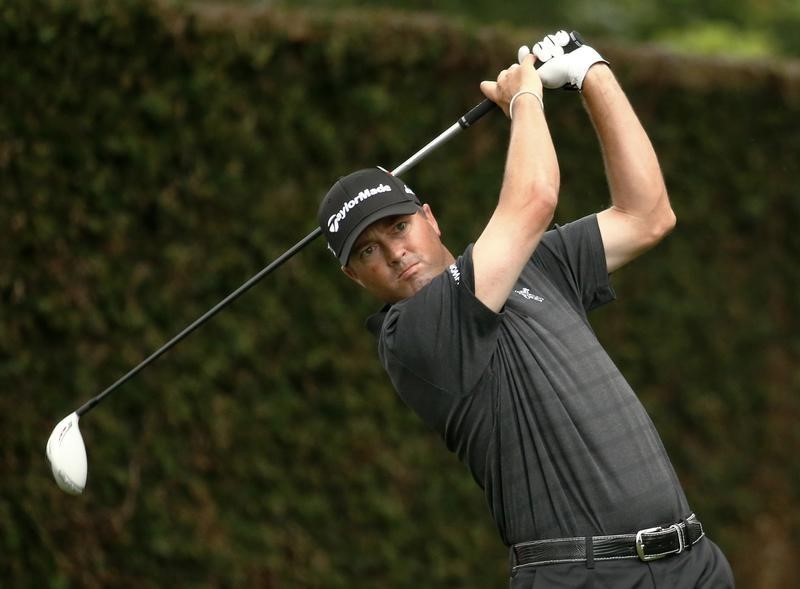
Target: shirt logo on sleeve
x,y
455,273
525,293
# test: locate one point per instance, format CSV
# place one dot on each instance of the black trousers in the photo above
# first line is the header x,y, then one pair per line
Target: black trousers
x,y
702,567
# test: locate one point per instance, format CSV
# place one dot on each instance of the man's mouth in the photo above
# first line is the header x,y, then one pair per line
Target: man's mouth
x,y
407,272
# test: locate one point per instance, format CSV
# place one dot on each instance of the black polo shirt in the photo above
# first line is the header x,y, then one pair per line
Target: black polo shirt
x,y
528,398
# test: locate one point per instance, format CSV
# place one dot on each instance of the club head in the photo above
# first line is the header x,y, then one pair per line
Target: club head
x,y
67,455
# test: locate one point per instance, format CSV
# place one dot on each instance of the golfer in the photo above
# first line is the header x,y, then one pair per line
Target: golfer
x,y
494,351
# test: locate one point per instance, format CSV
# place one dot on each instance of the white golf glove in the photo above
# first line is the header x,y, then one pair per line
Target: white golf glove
x,y
562,60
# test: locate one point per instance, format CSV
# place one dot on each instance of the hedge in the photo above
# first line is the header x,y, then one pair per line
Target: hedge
x,y
153,156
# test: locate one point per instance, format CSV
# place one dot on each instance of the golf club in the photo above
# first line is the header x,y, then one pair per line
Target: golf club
x,y
65,448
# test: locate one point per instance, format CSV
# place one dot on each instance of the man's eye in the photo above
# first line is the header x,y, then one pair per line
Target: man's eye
x,y
401,226
367,251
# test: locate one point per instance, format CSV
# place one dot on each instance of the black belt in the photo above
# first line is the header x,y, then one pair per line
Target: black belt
x,y
645,545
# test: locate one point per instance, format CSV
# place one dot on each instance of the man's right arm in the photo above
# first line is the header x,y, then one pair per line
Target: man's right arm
x,y
529,193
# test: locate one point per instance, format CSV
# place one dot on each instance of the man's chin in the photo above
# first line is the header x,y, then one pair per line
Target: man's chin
x,y
417,283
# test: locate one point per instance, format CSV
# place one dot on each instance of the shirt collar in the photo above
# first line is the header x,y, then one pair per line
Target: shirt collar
x,y
374,322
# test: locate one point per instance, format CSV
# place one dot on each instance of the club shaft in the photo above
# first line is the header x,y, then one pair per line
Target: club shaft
x,y
414,159
465,121
202,319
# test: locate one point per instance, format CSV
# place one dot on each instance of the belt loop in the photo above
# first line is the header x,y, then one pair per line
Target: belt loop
x,y
589,553
512,557
688,543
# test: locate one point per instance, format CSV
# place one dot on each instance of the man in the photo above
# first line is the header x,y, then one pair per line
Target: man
x,y
494,351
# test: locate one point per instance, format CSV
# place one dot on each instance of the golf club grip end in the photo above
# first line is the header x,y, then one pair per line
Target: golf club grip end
x,y
475,113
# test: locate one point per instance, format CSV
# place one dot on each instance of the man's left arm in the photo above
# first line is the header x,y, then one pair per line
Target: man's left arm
x,y
640,214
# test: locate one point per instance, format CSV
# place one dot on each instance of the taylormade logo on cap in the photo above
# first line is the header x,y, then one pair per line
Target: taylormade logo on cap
x,y
334,220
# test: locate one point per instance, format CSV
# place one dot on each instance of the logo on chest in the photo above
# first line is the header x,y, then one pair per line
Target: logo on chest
x,y
525,293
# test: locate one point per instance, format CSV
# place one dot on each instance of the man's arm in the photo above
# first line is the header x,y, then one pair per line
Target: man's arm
x,y
640,214
529,192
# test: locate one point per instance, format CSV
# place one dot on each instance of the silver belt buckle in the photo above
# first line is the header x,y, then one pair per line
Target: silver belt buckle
x,y
640,545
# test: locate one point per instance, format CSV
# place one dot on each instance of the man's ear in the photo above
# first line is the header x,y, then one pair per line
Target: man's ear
x,y
352,275
428,214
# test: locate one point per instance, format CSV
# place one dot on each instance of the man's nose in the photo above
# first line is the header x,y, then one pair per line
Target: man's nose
x,y
396,250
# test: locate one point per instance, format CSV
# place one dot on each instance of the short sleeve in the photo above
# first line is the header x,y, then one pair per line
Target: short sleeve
x,y
573,257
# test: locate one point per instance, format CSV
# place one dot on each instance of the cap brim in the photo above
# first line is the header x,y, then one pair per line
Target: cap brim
x,y
400,208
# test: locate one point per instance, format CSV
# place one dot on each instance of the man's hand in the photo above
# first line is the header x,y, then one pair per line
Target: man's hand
x,y
562,60
511,81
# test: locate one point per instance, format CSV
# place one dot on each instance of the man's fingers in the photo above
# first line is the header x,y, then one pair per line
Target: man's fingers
x,y
562,38
492,92
489,90
541,53
529,59
549,47
522,53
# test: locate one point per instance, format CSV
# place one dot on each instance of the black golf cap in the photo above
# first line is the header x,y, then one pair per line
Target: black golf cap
x,y
356,201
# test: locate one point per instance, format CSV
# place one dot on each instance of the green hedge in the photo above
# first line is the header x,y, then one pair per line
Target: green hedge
x,y
154,157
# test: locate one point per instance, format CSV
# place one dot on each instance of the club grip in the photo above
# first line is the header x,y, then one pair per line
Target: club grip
x,y
575,41
475,113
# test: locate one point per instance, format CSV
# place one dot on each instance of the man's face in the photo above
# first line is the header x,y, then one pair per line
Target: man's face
x,y
396,256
